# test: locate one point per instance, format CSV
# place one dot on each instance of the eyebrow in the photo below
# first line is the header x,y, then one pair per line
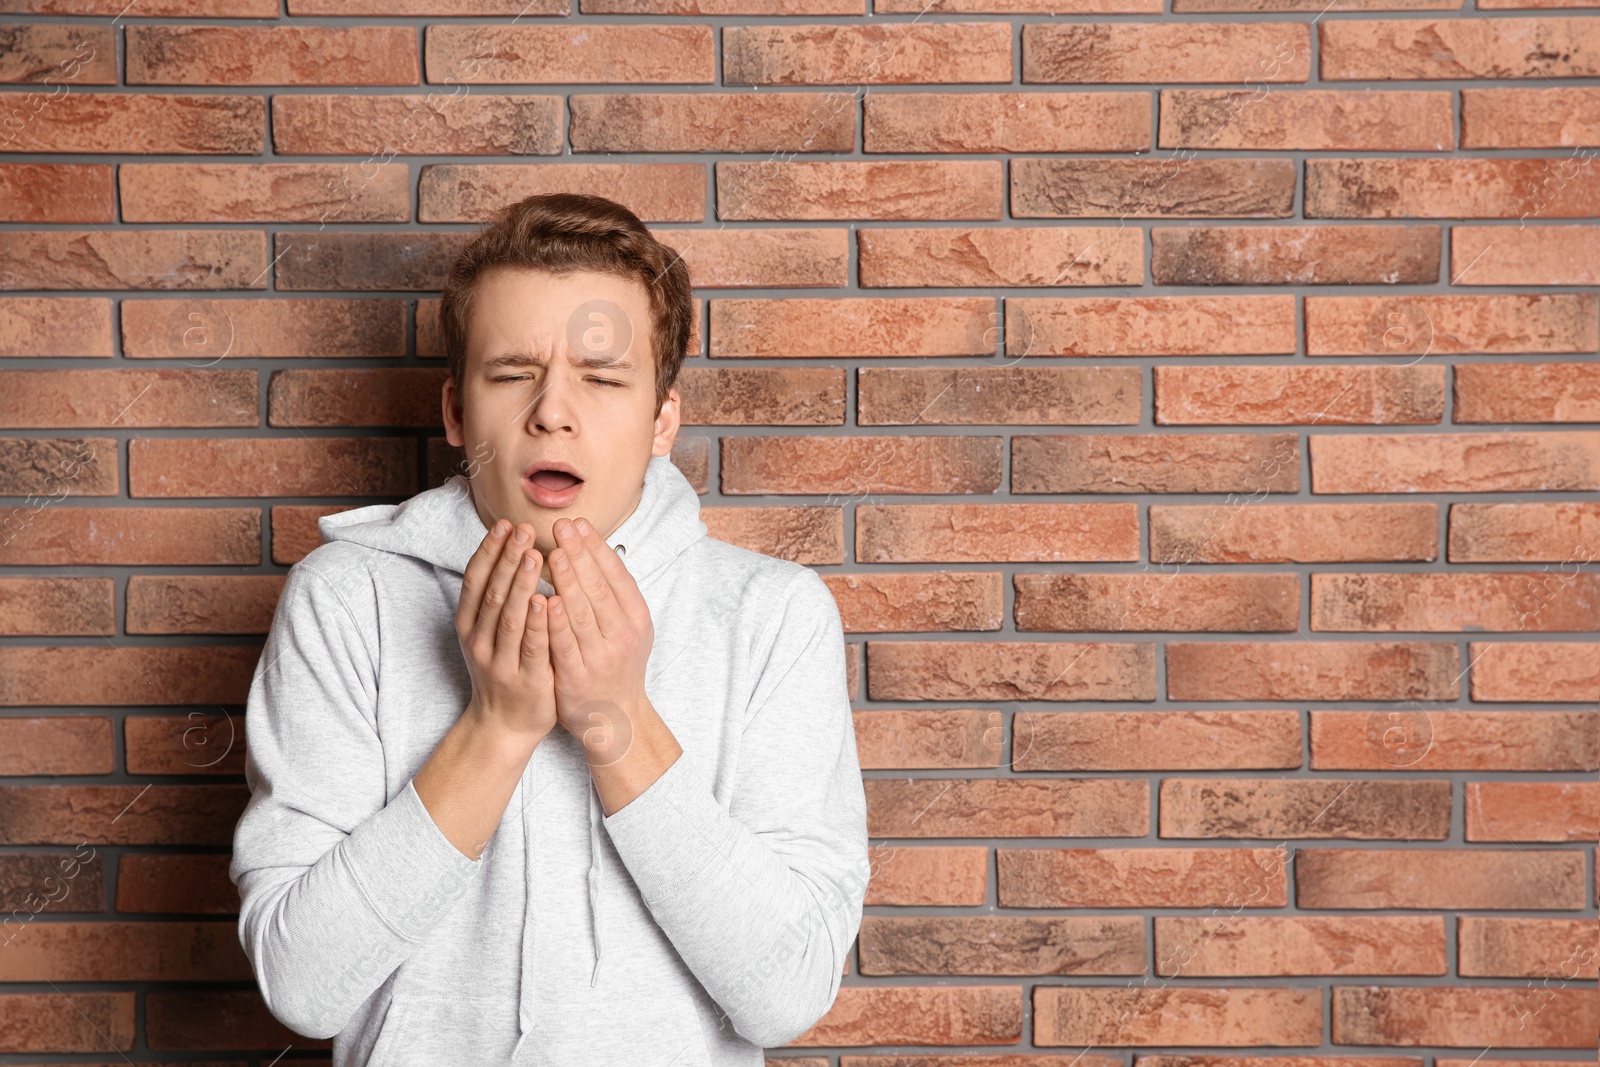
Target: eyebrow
x,y
519,358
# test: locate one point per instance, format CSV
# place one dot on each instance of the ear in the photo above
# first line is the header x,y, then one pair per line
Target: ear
x,y
667,423
454,420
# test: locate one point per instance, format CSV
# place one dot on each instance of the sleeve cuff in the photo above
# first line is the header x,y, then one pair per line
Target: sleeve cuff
x,y
670,833
406,867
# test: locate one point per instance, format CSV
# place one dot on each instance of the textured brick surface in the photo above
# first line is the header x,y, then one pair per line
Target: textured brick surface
x,y
1193,407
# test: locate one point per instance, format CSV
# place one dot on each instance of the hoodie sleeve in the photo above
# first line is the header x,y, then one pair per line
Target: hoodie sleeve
x,y
337,880
763,898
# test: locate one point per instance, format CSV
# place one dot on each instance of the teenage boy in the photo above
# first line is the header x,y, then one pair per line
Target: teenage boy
x,y
535,790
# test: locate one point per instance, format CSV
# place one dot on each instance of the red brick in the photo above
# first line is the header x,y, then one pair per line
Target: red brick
x,y
1235,395
58,606
1435,740
146,124
120,814
1446,603
1007,807
380,127
1010,670
1059,396
712,122
1564,532
265,467
1308,119
1173,1015
193,884
1472,1016
929,875
264,192
765,258
1527,118
1021,256
146,398
1155,463
874,189
1002,945
126,952
1371,810
210,330
862,465
1172,603
1245,531
1536,671
472,192
1034,121
1150,325
144,674
1425,325
57,192
799,533
1494,946
1141,188
192,744
632,54
55,325
1490,188
761,396
1295,255
850,326
1116,740
67,1022
58,55
1527,392
941,738
1369,49
135,259
1439,879
1313,670
895,53
1260,52
908,602
272,55
999,533
57,744
1525,255
920,1015
1167,877
1463,462
1500,812
132,536
1298,945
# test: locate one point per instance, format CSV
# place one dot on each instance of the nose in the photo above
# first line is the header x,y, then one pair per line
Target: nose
x,y
550,410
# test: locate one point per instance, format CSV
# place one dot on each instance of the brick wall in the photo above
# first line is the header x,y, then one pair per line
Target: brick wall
x,y
1196,413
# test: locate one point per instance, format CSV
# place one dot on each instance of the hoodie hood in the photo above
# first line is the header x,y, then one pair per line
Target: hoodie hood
x,y
441,526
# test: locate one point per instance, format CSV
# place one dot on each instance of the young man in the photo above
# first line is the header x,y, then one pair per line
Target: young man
x,y
587,797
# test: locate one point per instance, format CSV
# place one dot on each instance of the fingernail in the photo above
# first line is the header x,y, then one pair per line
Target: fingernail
x,y
522,535
527,563
583,527
500,527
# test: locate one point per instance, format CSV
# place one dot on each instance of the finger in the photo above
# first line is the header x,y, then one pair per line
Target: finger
x,y
476,577
565,655
624,589
593,589
536,634
498,587
514,615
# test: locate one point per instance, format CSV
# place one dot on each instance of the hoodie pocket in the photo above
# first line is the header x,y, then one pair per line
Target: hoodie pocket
x,y
660,1028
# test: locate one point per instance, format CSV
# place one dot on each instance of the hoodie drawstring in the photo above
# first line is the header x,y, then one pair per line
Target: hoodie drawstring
x,y
594,880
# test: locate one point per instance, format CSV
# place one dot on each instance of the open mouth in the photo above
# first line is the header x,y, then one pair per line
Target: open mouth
x,y
552,486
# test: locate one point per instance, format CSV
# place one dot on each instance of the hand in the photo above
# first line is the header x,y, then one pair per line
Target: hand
x,y
504,637
600,640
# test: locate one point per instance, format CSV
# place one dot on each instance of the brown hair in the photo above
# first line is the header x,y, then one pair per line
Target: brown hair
x,y
560,233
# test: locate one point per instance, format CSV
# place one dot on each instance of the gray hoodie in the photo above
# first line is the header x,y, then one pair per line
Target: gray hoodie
x,y
705,920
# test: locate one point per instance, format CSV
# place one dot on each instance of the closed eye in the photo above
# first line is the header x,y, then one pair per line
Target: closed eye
x,y
524,377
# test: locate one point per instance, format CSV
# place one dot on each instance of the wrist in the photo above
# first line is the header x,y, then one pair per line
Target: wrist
x,y
499,731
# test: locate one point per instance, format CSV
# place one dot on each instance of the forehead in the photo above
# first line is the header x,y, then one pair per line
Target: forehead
x,y
580,314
